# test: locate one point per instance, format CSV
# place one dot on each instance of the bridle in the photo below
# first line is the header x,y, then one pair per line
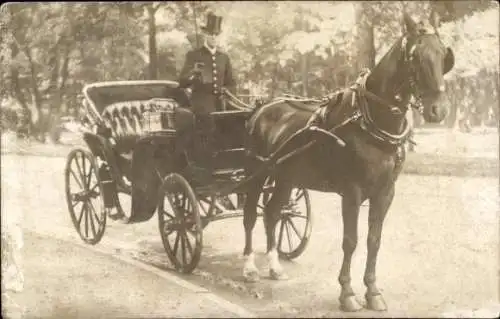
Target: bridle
x,y
361,96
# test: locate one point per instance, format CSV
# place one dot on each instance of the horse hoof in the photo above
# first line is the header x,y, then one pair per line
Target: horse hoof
x,y
277,275
375,302
251,276
350,304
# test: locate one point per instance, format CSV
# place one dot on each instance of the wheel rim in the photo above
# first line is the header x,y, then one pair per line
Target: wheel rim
x,y
180,224
294,228
83,195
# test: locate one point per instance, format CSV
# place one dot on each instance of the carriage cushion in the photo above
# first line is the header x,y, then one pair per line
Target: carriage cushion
x,y
126,121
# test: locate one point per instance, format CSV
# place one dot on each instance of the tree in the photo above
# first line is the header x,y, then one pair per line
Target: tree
x,y
55,46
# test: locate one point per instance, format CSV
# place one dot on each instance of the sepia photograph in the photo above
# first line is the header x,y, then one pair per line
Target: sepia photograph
x,y
250,159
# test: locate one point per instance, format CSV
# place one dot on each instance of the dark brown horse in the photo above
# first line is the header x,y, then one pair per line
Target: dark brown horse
x,y
370,119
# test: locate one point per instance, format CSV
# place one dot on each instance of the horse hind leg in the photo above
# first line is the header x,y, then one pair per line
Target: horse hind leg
x,y
272,212
250,270
350,212
379,205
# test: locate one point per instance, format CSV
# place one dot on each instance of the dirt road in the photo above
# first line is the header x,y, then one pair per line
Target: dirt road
x,y
439,250
64,280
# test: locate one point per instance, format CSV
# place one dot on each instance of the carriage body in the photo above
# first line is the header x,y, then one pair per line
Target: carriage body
x,y
137,134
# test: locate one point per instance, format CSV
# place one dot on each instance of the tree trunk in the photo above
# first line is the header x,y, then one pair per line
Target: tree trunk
x,y
14,73
153,55
63,76
38,127
364,37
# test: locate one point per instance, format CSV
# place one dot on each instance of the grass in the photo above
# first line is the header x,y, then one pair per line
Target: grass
x,y
438,152
448,165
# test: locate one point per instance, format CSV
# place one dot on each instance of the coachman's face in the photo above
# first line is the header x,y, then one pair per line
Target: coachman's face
x,y
211,39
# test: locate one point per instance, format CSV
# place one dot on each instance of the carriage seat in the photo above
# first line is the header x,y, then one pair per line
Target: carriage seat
x,y
126,121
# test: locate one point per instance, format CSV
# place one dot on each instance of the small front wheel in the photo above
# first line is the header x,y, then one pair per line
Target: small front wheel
x,y
180,223
295,225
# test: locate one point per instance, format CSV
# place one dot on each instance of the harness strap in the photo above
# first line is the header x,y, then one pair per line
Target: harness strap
x,y
367,122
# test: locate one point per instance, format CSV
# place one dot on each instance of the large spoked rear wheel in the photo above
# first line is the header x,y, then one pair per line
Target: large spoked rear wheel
x,y
84,196
294,227
180,223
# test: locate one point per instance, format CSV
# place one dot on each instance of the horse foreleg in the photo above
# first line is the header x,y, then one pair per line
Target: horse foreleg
x,y
350,212
379,205
250,271
272,212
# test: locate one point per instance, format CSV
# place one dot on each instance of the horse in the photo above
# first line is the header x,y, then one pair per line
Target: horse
x,y
370,119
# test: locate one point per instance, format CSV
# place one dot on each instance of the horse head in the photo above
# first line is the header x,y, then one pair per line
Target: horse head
x,y
414,67
428,60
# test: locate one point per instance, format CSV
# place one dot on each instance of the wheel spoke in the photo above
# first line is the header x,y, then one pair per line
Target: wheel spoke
x,y
76,178
92,224
171,202
86,222
183,250
288,238
168,232
94,187
75,203
188,244
79,222
290,221
299,194
280,236
205,211
89,177
185,203
84,168
164,212
176,244
94,213
296,215
79,170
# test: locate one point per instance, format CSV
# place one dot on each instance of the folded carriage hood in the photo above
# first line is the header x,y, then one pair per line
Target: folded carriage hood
x,y
102,94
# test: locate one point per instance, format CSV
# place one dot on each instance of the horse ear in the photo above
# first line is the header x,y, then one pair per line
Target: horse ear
x,y
435,20
449,61
410,24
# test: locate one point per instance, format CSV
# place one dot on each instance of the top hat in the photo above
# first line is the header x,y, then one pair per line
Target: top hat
x,y
213,25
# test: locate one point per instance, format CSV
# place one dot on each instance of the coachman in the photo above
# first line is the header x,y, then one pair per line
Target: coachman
x,y
206,71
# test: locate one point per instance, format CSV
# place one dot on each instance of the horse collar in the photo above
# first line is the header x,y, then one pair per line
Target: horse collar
x,y
365,120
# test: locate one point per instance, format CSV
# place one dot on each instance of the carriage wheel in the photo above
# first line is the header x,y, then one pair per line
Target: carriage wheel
x,y
180,223
295,225
84,196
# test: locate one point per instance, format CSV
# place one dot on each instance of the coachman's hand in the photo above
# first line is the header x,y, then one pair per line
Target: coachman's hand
x,y
195,76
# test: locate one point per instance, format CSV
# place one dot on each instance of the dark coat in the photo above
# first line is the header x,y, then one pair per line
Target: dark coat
x,y
216,73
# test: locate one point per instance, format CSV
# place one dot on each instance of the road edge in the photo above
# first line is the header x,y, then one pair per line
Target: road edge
x,y
225,304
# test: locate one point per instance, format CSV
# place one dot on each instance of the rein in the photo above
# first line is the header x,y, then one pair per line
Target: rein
x,y
367,123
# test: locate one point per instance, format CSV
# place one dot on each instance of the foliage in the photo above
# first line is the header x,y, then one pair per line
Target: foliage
x,y
50,51
474,41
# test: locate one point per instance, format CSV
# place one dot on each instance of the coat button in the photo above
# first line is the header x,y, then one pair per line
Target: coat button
x,y
215,85
215,71
214,65
215,78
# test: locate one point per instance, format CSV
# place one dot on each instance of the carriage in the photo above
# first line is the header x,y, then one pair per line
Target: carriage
x,y
135,133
